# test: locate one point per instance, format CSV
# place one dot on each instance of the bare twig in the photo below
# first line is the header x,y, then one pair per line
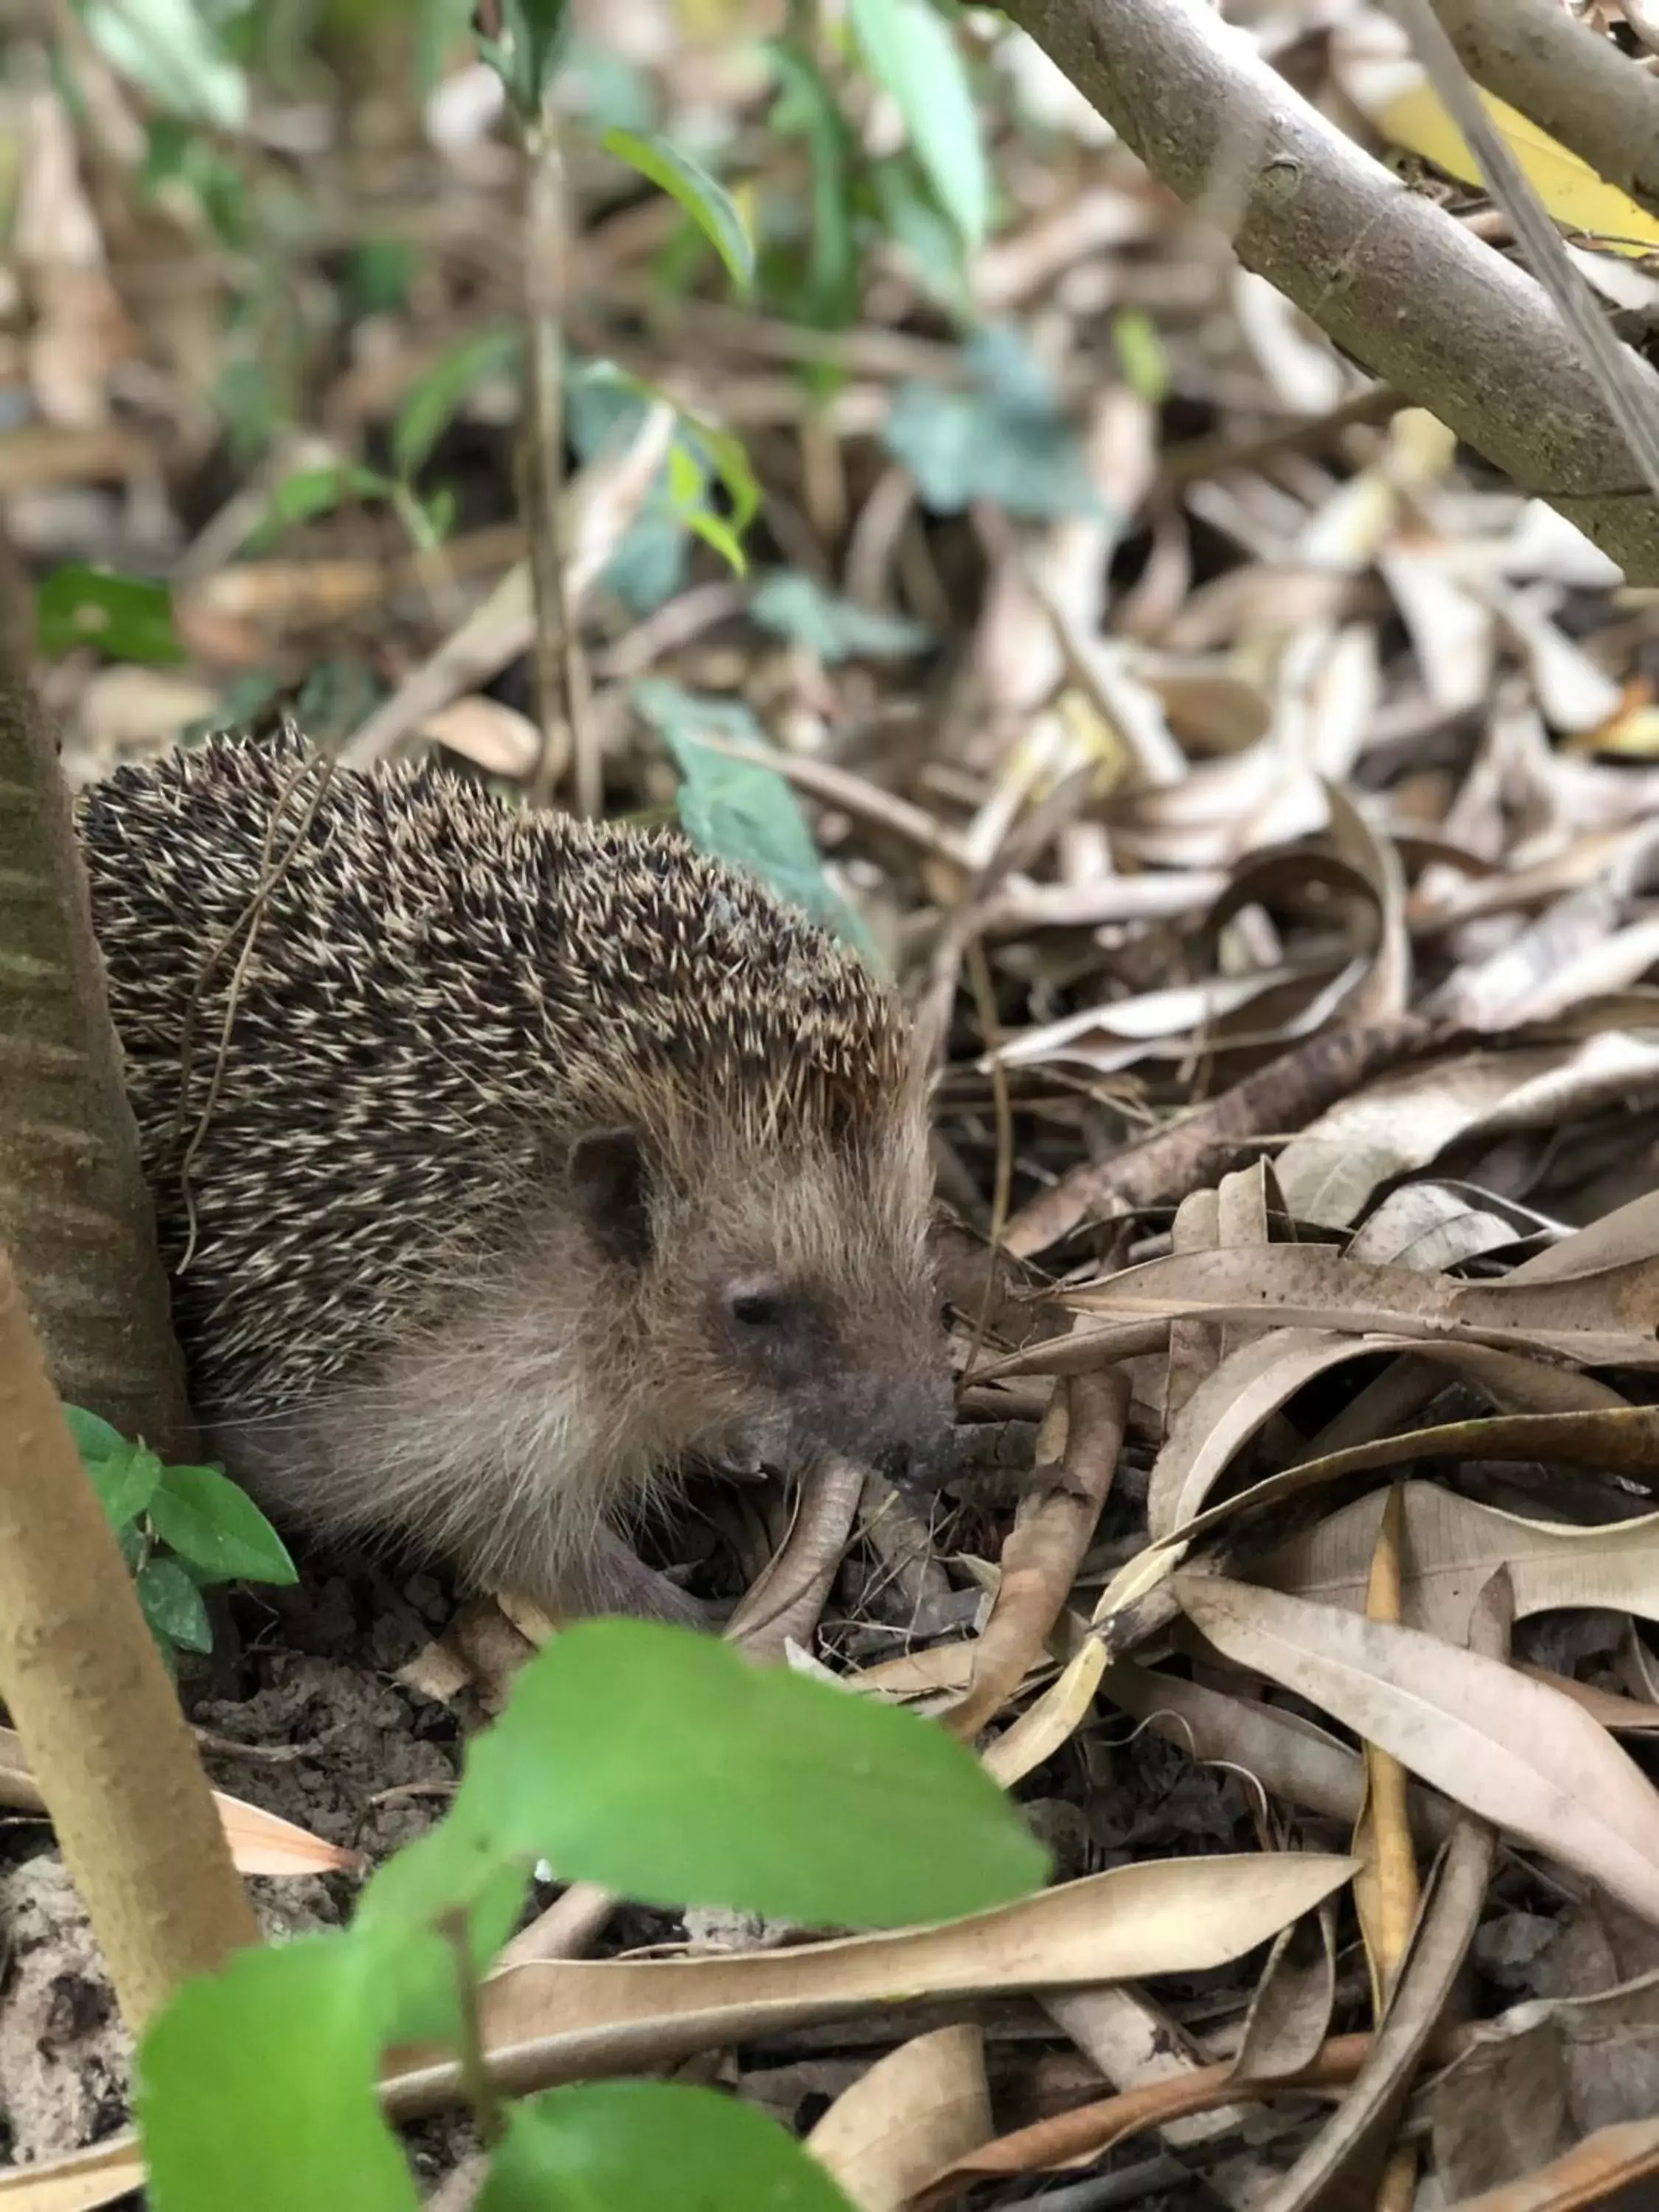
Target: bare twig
x,y
1158,1169
1570,81
1630,397
1391,278
560,675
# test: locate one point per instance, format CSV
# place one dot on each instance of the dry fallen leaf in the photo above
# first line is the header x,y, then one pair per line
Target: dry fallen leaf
x,y
1405,1121
548,2023
1076,1456
1452,1544
1594,2171
78,2182
921,2105
1503,1745
1604,1320
260,1842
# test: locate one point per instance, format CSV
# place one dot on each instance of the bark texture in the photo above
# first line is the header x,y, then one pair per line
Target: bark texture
x,y
1569,80
1382,271
74,1207
99,1721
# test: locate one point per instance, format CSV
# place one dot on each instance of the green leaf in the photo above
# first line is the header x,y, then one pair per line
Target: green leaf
x,y
606,406
913,222
725,453
708,204
643,2146
125,1482
177,153
217,1526
807,108
256,2085
741,811
438,24
438,514
126,617
1141,350
308,493
430,402
169,47
1007,440
173,1605
660,1763
688,488
379,275
462,1872
455,1869
93,1439
798,606
909,49
249,396
527,56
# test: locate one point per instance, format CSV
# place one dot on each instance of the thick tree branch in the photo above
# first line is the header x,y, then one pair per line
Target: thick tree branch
x,y
1569,80
1384,273
74,1207
99,1720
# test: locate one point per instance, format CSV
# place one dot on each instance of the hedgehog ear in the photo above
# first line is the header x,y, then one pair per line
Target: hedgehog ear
x,y
610,1182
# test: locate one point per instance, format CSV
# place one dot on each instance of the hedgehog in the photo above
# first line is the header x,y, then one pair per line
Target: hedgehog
x,y
506,1166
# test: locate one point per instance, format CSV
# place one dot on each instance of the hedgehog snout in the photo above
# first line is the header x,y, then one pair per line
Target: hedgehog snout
x,y
902,1422
918,1458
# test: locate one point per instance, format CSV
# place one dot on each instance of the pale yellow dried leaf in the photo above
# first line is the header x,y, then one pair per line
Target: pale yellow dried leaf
x,y
1573,693
1294,1761
1619,1436
259,1842
131,707
1608,1708
1387,990
1329,1172
1507,1748
1227,1408
1077,1452
1534,974
1211,710
1296,357
548,2022
1430,1227
1135,2042
1052,1721
926,1673
1604,1320
1451,632
1627,1236
78,2182
1452,1544
1572,193
1122,1030
922,2105
493,736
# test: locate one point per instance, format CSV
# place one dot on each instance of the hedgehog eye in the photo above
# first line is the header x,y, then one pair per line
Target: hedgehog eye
x,y
758,1309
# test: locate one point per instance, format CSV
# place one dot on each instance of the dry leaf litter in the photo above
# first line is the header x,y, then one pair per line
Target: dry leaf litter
x,y
1271,829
